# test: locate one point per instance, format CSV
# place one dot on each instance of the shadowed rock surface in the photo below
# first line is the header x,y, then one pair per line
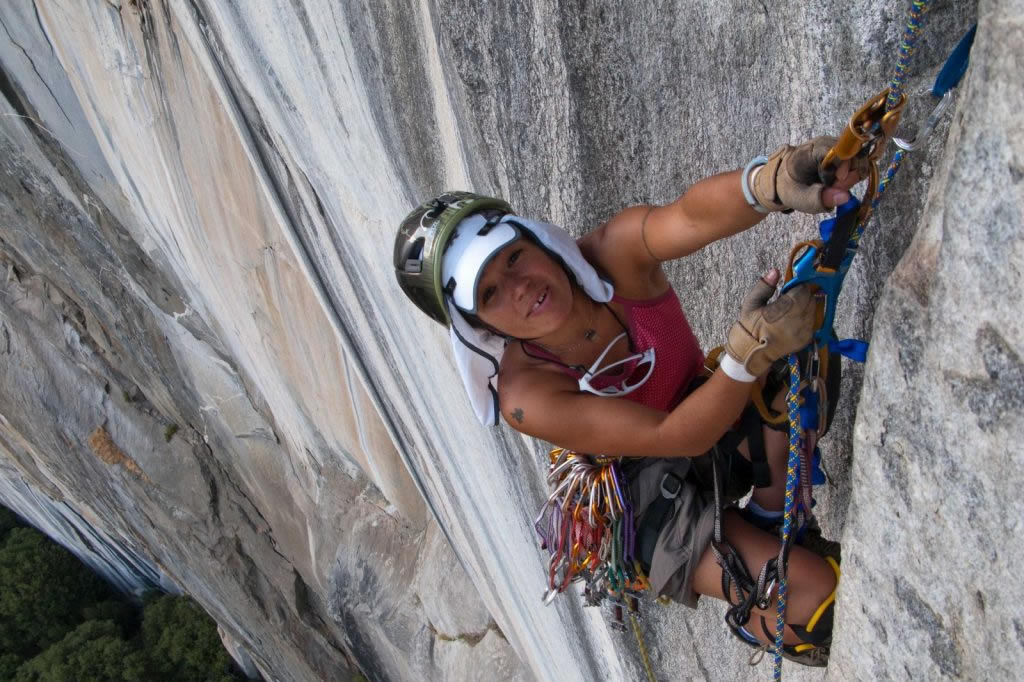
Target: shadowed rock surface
x,y
206,367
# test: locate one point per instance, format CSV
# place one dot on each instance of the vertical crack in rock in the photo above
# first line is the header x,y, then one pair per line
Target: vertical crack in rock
x,y
42,28
34,67
878,625
306,603
238,560
10,93
241,503
321,62
394,71
204,457
698,659
894,464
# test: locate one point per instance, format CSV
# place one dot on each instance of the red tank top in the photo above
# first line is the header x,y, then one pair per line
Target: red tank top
x,y
661,324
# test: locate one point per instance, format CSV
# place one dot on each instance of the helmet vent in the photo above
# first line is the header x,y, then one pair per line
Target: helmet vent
x,y
414,261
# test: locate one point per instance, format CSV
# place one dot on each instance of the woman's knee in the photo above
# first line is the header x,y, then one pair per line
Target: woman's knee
x,y
811,579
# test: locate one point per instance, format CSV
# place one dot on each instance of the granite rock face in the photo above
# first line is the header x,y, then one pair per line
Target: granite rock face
x,y
209,379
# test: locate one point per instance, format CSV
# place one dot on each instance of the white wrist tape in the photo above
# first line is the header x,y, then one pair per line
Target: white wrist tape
x,y
754,165
734,370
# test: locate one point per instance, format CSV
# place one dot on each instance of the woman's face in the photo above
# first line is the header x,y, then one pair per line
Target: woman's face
x,y
523,292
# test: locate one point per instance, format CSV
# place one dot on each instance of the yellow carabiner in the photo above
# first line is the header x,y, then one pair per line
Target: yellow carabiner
x,y
866,136
869,130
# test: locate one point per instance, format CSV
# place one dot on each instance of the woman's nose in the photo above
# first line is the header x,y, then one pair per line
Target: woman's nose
x,y
520,286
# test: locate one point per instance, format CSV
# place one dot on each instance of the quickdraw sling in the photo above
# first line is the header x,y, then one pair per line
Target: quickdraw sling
x,y
586,525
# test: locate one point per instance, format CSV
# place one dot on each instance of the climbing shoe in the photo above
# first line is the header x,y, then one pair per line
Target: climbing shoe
x,y
812,655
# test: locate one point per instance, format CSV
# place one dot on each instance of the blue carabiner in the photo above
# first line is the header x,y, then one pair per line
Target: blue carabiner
x,y
807,270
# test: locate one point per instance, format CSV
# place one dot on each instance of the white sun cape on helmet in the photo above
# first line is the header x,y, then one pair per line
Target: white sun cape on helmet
x,y
478,352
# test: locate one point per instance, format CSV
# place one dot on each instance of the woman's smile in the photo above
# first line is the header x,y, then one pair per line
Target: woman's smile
x,y
538,305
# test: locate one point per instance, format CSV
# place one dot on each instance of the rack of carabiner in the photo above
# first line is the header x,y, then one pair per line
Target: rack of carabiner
x,y
586,525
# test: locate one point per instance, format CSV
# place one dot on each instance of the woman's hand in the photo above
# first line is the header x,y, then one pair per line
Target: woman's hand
x,y
766,331
793,179
843,177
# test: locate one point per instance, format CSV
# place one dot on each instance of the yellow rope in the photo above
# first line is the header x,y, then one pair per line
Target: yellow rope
x,y
643,649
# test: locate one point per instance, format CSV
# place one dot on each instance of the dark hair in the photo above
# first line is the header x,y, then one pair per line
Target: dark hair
x,y
476,323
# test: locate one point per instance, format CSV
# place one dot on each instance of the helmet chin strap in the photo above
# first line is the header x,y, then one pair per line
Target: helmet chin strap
x,y
475,320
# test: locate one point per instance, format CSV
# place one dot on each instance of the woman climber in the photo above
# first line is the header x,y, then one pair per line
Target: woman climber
x,y
584,344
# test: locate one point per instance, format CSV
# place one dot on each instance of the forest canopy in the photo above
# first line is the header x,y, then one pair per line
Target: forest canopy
x,y
60,621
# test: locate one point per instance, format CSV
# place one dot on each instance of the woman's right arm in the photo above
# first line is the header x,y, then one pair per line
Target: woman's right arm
x,y
551,407
715,208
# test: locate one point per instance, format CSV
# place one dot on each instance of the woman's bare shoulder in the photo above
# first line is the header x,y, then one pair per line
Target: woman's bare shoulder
x,y
525,382
608,239
617,248
540,400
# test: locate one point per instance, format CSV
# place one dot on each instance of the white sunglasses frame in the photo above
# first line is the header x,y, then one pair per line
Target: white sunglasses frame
x,y
611,391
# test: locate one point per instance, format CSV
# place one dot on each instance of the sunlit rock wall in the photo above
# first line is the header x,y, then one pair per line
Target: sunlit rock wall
x,y
205,356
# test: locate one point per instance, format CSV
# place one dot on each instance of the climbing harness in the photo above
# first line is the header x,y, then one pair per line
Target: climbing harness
x,y
824,264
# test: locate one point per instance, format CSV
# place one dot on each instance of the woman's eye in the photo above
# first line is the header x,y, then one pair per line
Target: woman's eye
x,y
514,257
488,294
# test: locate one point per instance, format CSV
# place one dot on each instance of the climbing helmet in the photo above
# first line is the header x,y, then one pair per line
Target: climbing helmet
x,y
421,242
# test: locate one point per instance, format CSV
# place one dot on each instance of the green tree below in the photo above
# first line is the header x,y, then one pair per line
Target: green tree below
x,y
92,652
43,590
59,621
182,643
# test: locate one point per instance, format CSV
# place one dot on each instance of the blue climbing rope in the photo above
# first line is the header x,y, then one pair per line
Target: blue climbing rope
x,y
795,434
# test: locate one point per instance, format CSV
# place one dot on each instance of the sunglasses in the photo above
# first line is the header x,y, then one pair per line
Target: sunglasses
x,y
615,391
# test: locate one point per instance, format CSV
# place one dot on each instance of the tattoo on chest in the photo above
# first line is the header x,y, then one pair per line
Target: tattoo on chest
x,y
517,414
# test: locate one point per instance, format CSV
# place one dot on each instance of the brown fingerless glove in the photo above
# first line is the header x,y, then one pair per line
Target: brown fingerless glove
x,y
790,179
766,332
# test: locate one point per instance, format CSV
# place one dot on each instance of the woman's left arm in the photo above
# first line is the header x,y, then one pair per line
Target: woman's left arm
x,y
712,209
717,207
